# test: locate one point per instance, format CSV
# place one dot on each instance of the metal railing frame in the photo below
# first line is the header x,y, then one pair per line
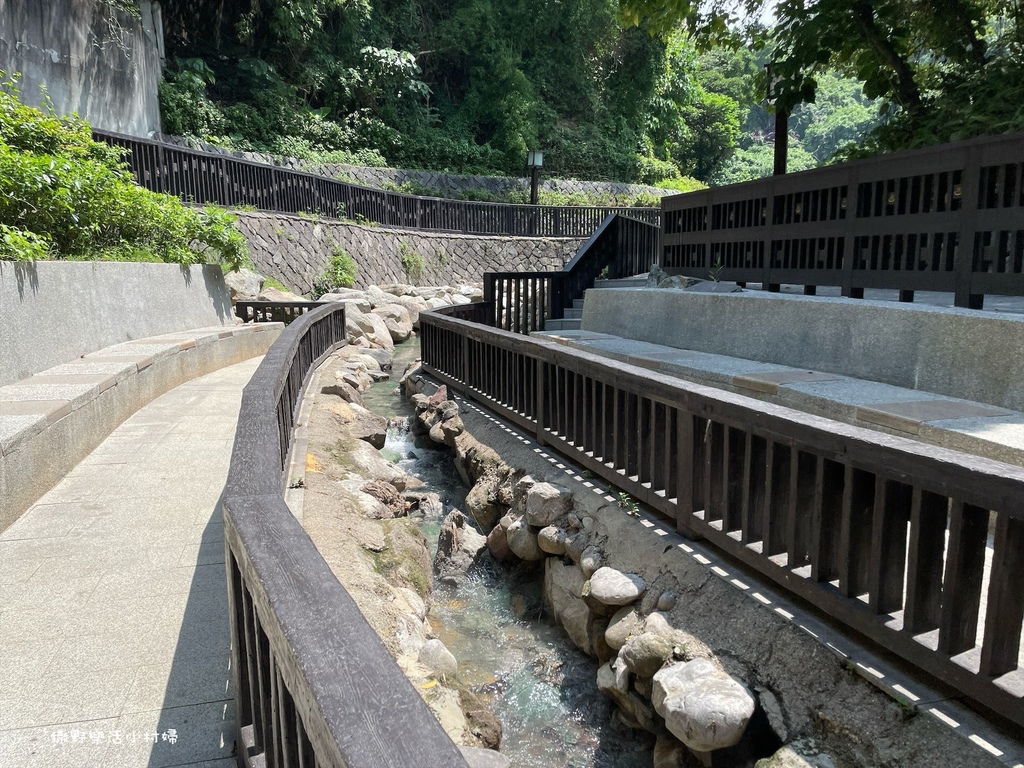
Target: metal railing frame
x,y
314,684
851,520
897,221
205,177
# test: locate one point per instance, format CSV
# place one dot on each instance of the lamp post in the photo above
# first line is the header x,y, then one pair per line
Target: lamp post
x,y
534,161
781,125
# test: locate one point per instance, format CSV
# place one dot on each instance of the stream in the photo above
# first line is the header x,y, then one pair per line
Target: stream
x,y
539,685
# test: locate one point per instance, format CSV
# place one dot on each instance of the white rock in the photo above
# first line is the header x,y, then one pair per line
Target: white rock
x,y
657,623
703,707
545,503
591,560
612,587
562,587
438,659
244,284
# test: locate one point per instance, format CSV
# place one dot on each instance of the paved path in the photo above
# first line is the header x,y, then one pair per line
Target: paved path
x,y
113,607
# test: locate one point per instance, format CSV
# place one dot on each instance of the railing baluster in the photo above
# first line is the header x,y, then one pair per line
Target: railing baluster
x,y
961,583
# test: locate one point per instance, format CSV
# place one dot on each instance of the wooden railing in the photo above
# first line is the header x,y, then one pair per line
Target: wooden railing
x,y
523,301
884,534
948,218
314,684
204,177
274,311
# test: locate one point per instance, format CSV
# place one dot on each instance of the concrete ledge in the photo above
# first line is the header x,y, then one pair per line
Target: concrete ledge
x,y
973,355
55,311
51,421
980,429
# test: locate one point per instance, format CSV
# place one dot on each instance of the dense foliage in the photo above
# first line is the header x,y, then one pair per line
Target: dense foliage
x,y
465,85
65,196
944,69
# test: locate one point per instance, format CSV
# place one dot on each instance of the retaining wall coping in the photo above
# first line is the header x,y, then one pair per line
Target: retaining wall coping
x,y
958,423
35,412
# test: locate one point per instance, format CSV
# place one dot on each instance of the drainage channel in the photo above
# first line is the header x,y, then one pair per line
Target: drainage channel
x,y
527,671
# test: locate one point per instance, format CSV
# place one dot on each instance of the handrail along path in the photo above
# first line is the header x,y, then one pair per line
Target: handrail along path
x,y
884,534
314,684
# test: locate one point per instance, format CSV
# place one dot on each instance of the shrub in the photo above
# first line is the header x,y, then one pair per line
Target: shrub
x,y
65,196
412,262
341,272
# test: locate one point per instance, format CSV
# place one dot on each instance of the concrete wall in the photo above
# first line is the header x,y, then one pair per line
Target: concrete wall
x,y
959,353
101,63
53,312
295,250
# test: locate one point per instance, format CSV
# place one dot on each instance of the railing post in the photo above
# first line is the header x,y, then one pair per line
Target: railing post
x,y
850,235
541,368
963,266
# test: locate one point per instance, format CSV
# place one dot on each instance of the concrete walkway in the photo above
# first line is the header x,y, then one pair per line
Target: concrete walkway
x,y
114,643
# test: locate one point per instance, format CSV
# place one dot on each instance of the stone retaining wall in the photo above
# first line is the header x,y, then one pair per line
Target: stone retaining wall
x,y
295,250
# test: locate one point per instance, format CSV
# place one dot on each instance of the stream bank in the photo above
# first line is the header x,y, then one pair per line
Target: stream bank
x,y
548,525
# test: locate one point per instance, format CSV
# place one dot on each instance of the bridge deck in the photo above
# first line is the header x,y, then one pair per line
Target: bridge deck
x,y
113,612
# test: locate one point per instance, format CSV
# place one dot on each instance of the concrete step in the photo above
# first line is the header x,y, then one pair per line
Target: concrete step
x,y
565,324
577,303
574,313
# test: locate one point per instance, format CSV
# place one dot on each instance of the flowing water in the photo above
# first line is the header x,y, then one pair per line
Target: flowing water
x,y
538,684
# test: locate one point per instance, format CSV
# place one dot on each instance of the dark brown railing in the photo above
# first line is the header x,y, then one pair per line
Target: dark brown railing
x,y
948,218
884,534
314,684
523,301
204,177
274,311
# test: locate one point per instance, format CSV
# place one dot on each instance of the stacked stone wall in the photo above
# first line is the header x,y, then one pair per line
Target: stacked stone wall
x,y
296,250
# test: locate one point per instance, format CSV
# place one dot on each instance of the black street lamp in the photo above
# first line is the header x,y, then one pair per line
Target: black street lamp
x,y
534,161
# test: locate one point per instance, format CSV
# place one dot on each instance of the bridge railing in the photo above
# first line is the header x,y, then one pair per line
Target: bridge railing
x,y
204,177
888,536
274,311
947,218
522,301
314,684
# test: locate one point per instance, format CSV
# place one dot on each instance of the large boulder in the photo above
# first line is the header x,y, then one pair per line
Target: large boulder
x,y
703,706
366,324
396,319
611,587
546,502
562,587
459,546
523,542
276,294
243,285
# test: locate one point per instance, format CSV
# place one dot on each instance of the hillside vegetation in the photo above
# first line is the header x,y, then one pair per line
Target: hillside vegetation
x,y
470,86
65,196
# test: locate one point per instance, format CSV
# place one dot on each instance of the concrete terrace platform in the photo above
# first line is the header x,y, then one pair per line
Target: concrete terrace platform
x,y
114,642
963,425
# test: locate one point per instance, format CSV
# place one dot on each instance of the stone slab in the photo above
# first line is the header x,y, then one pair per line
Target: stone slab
x,y
907,416
966,354
51,410
769,382
141,362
